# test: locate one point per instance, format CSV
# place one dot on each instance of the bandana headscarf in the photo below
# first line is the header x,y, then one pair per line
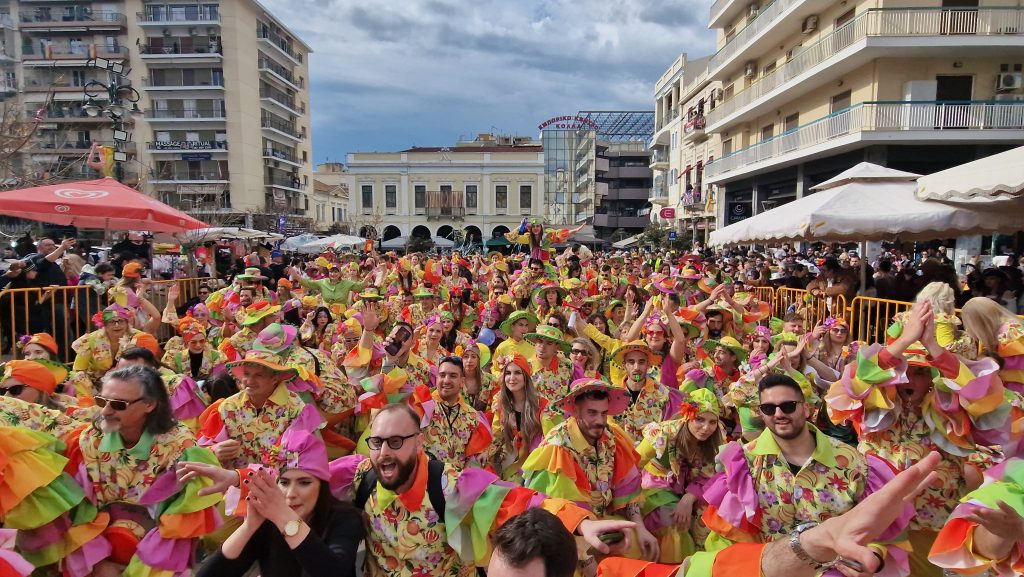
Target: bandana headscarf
x,y
297,449
351,328
763,332
114,311
44,340
198,308
516,359
190,328
700,401
33,374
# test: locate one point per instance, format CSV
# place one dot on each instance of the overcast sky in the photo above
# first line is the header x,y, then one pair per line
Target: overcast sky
x,y
391,74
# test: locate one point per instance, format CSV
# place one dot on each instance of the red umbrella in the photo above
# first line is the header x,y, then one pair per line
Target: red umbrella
x,y
103,203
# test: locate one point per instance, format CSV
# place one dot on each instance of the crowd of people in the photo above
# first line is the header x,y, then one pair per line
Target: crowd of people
x,y
548,412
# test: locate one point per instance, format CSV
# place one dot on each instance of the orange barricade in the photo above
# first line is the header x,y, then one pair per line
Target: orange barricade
x,y
870,317
765,294
814,310
66,312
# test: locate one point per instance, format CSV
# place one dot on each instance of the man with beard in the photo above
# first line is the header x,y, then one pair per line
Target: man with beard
x,y
456,433
650,401
791,477
590,461
370,358
124,464
425,517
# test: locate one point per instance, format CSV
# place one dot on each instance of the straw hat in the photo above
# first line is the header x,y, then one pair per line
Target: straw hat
x,y
251,273
618,398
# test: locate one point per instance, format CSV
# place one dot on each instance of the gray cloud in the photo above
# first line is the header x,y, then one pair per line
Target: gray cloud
x,y
388,74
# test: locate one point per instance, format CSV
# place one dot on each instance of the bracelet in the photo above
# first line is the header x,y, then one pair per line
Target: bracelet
x,y
798,550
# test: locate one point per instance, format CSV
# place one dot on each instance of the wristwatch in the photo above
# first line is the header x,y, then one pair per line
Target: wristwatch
x,y
291,528
798,550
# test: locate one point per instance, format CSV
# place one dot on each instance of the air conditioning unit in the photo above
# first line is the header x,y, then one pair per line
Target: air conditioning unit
x,y
716,95
1008,81
810,24
752,10
750,69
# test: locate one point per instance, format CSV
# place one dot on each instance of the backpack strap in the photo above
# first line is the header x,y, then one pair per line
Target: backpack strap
x,y
435,473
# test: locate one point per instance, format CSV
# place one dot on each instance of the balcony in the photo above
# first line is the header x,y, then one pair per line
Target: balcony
x,y
185,16
286,129
186,114
70,55
68,115
609,221
293,183
661,131
274,70
445,204
282,100
189,177
180,84
873,34
659,192
760,33
79,20
187,145
884,122
693,130
182,53
659,158
278,155
280,44
76,148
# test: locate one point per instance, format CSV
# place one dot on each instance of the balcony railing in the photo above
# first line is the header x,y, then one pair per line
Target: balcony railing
x,y
286,182
177,49
895,22
185,113
718,6
280,42
169,15
74,147
695,123
669,117
441,203
280,97
284,127
188,145
78,16
280,154
955,117
189,175
277,69
82,51
659,156
765,19
180,82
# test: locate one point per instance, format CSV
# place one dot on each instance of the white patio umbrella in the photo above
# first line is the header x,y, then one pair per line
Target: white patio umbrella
x,y
336,241
999,176
294,242
871,202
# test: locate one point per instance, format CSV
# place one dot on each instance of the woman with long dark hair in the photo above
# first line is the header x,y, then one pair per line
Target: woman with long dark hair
x,y
293,526
519,423
680,456
318,329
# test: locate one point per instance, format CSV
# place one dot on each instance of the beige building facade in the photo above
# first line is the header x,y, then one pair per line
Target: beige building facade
x,y
332,183
222,92
809,88
469,192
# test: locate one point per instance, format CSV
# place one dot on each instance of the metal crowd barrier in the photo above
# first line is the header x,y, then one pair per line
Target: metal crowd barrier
x,y
869,317
66,312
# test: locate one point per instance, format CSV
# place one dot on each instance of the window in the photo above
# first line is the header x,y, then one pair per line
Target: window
x,y
367,195
525,197
390,196
791,122
767,132
727,147
420,196
840,101
78,78
501,197
471,196
846,17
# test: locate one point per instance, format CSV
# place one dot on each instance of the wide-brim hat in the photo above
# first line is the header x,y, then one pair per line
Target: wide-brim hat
x,y
259,310
539,291
422,293
727,342
506,325
619,355
618,398
548,333
265,359
370,294
276,338
708,284
666,286
251,273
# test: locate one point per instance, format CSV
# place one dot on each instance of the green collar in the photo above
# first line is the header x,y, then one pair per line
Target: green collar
x,y
114,443
823,453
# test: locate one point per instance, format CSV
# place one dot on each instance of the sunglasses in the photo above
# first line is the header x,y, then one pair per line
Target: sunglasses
x,y
116,404
395,442
14,390
535,269
788,407
579,352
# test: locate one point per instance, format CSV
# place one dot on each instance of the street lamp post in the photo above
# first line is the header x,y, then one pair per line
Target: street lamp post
x,y
120,101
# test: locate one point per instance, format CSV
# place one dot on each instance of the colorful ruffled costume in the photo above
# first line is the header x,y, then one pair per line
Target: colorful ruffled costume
x,y
458,435
1011,351
757,498
947,333
954,547
406,537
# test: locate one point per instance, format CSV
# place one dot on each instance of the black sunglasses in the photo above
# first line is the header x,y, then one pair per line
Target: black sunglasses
x,y
395,443
14,390
788,407
116,404
579,352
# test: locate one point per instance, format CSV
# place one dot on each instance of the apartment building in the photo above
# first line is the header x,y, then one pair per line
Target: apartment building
x,y
682,147
810,87
473,191
222,128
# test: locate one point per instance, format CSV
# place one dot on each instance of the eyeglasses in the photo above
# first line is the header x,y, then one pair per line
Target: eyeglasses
x,y
117,322
116,404
579,352
13,390
788,407
535,269
395,443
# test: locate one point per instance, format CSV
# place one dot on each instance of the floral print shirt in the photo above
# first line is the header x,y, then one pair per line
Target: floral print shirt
x,y
121,475
405,535
551,380
234,347
335,395
453,434
655,403
94,355
597,462
16,412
